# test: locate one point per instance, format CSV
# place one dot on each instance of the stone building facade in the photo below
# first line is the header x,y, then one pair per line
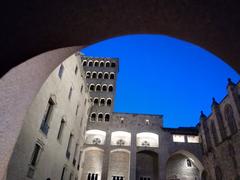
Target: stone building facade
x,y
71,132
221,137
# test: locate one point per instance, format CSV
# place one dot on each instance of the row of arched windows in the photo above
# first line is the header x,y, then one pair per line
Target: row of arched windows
x,y
102,101
100,75
98,87
99,117
91,63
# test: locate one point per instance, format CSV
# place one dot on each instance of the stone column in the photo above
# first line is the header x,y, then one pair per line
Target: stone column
x,y
106,156
133,157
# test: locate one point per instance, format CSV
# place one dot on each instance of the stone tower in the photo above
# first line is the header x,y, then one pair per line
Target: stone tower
x,y
101,75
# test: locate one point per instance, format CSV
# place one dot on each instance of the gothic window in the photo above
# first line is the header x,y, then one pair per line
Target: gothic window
x,y
93,117
109,102
60,72
106,75
100,75
101,64
112,76
113,64
229,117
100,117
214,132
95,101
60,131
102,102
96,63
96,141
207,135
189,163
218,173
90,63
104,88
84,63
94,75
107,64
107,117
145,144
91,87
46,118
98,87
88,74
120,142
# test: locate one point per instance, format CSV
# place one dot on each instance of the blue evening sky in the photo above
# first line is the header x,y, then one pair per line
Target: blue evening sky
x,y
163,75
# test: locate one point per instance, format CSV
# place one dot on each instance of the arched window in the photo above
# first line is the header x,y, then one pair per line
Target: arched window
x,y
84,63
110,88
93,117
109,102
102,102
100,75
88,74
94,75
189,163
112,76
96,63
91,87
229,117
104,87
107,64
107,117
106,76
218,173
96,101
90,63
214,132
98,87
101,64
113,64
100,117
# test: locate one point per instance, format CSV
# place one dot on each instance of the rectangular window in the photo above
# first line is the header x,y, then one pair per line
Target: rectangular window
x,y
63,172
60,131
178,138
77,109
35,155
76,70
46,118
60,72
192,139
79,159
69,146
70,93
75,154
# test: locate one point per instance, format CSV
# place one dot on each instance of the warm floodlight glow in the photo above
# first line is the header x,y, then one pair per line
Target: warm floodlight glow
x,y
192,139
95,137
121,138
147,139
178,138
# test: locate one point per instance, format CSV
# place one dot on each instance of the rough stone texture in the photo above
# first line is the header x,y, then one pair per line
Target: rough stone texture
x,y
33,27
53,156
18,89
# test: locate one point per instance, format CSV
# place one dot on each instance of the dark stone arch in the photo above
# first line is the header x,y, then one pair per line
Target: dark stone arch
x,y
151,159
212,25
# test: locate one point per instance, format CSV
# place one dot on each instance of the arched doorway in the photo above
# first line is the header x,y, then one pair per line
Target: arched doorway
x,y
147,165
183,165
